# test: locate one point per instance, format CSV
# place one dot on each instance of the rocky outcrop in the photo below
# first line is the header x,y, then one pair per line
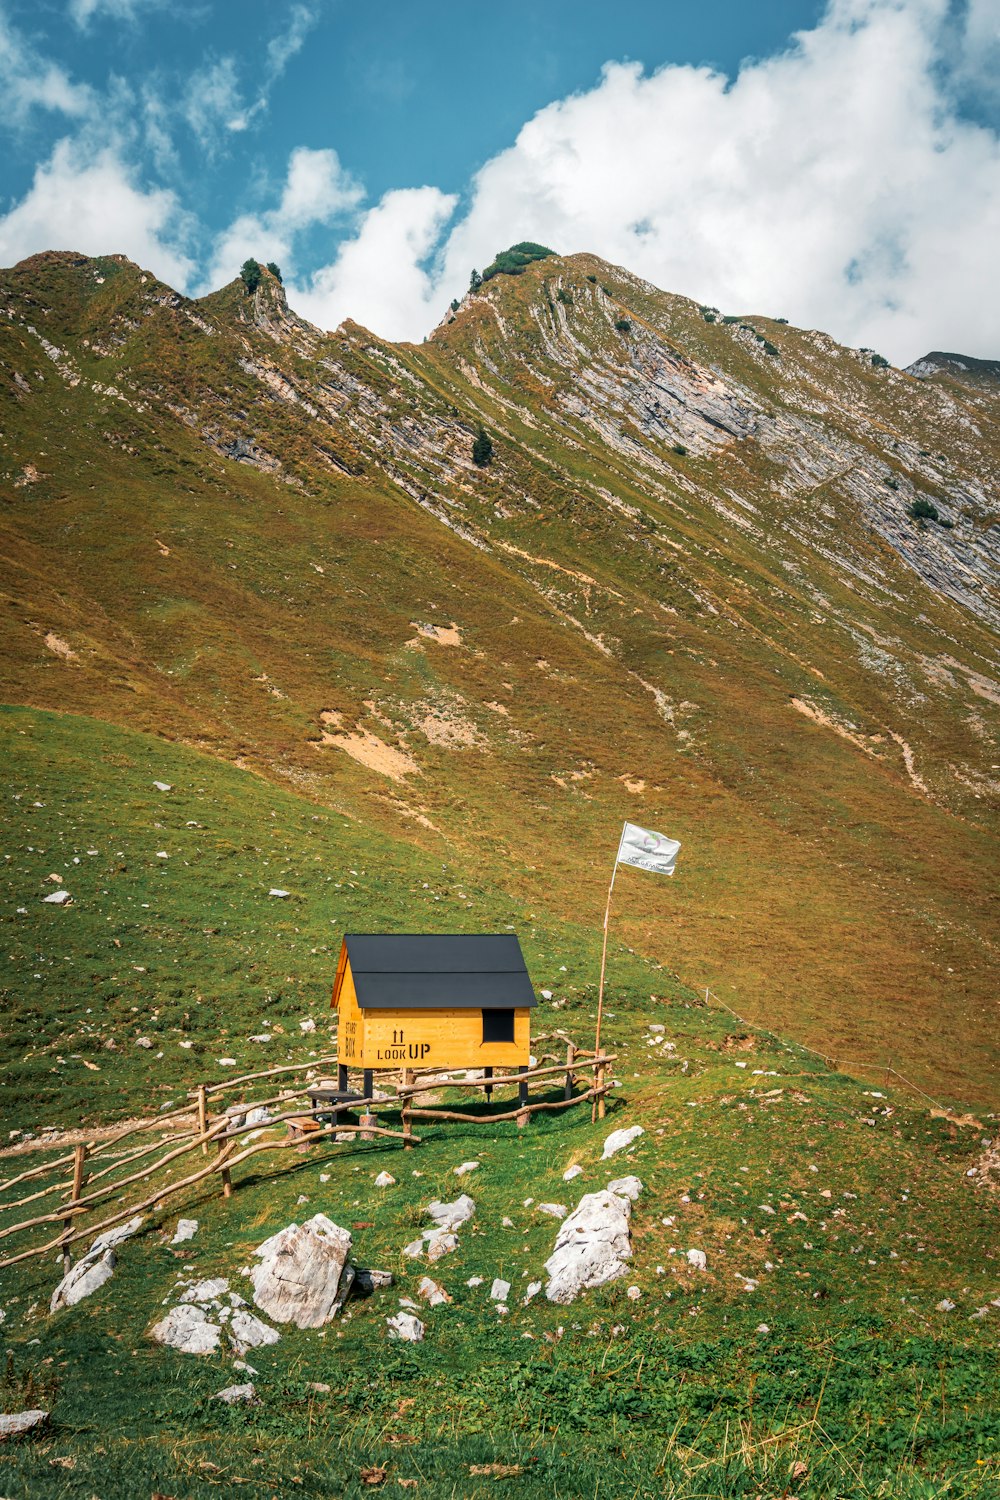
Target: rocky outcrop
x,y
303,1276
592,1247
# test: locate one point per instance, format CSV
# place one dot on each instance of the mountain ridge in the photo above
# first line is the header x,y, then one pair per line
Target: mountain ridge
x,y
691,569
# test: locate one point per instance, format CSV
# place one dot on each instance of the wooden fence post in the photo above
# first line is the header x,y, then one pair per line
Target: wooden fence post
x,y
522,1099
227,1181
488,1073
202,1117
599,1079
570,1080
79,1175
888,1070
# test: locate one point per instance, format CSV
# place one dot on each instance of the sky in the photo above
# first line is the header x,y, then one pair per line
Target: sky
x,y
832,162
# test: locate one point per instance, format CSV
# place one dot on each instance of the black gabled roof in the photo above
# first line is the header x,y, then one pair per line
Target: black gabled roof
x,y
439,971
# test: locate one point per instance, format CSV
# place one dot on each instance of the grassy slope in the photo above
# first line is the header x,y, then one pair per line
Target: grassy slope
x,y
859,1377
822,890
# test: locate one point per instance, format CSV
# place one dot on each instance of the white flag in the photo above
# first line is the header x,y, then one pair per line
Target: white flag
x,y
647,850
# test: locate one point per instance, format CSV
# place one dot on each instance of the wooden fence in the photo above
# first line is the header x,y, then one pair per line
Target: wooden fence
x,y
220,1134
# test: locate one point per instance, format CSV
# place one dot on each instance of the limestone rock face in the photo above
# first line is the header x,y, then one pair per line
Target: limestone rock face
x,y
84,1278
592,1246
303,1276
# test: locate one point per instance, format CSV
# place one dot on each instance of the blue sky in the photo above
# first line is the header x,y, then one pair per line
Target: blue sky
x,y
835,163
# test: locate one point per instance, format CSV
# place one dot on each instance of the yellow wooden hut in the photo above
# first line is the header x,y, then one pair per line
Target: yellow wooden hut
x,y
431,1000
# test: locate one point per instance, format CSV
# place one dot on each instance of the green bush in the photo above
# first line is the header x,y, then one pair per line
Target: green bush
x,y
592,279
879,362
475,280
709,313
565,297
679,449
923,509
482,448
623,325
515,260
454,304
730,318
251,273
275,272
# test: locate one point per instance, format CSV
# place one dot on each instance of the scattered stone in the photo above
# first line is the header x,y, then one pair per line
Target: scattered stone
x,y
474,1281
507,1223
247,1332
533,1288
557,1210
303,1276
307,1025
188,1329
451,1215
319,1387
619,1139
406,1327
227,1062
208,1290
946,1305
763,1328
440,1244
274,891
466,1167
656,1028
697,1259
633,1293
414,1249
143,1041
163,786
384,1180
626,1187
500,1290
86,1277
592,1246
236,1393
13,1423
432,1291
57,898
571,1172
366,1281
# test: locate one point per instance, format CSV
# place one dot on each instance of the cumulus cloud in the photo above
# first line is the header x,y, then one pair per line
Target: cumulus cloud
x,y
834,184
316,190
94,205
379,277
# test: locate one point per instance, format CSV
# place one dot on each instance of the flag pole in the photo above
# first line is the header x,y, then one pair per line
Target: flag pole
x,y
604,950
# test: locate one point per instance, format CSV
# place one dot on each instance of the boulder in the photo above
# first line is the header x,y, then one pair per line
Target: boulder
x,y
556,1210
500,1290
592,1246
208,1290
303,1276
13,1423
432,1292
697,1259
442,1242
466,1167
407,1327
186,1230
451,1215
187,1328
84,1278
233,1394
619,1139
384,1180
57,898
626,1187
247,1332
575,1171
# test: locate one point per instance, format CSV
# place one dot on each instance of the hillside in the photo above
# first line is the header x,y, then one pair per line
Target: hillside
x,y
688,591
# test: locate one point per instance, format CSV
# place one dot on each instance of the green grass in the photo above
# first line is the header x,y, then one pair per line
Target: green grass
x,y
859,1377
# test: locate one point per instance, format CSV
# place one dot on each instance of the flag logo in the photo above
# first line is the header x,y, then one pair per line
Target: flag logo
x,y
647,850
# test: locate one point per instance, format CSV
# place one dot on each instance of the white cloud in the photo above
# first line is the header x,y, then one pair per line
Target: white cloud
x,y
28,82
832,184
283,47
378,277
316,190
213,102
92,204
82,12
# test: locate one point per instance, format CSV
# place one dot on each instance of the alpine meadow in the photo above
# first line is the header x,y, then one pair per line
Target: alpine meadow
x,y
311,633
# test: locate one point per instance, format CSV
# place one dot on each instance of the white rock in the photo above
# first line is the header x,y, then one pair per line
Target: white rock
x,y
946,1305
507,1223
532,1290
545,994
208,1290
143,1041
407,1327
626,1187
474,1281
698,1259
763,1328
57,898
13,1423
466,1167
259,1115
307,1025
619,1139
274,891
85,1278
557,1210
633,1293
451,1215
592,1246
414,1250
441,1243
227,1062
247,1332
162,854
188,1329
500,1290
163,786
432,1291
656,1028
236,1393
116,1236
571,1172
302,1272
385,1179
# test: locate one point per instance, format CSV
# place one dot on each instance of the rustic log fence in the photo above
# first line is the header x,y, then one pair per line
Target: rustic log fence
x,y
217,1135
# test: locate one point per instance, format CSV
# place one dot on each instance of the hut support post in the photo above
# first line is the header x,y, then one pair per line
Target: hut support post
x,y
488,1073
366,1087
79,1174
342,1081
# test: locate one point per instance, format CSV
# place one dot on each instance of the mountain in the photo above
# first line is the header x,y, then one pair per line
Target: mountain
x,y
962,368
722,577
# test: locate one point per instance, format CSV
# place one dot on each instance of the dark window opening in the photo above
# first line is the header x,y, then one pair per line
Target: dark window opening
x,y
498,1026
